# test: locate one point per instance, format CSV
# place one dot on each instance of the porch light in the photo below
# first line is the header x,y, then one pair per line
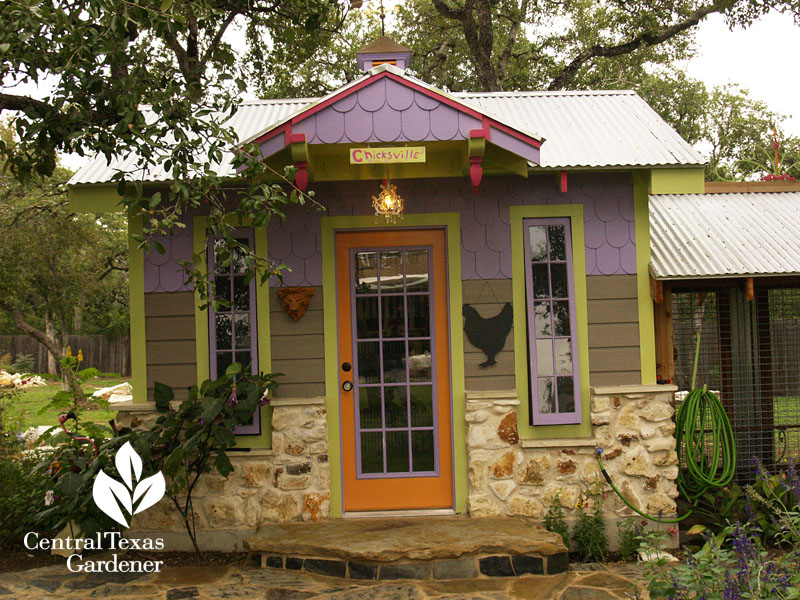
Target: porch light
x,y
388,203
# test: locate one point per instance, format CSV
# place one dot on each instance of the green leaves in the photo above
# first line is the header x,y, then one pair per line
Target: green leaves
x,y
223,464
162,395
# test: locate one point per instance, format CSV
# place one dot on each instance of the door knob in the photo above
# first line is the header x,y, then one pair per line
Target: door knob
x,y
347,386
346,366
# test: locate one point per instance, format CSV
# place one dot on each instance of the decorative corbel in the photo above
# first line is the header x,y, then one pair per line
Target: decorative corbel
x,y
299,150
477,149
563,182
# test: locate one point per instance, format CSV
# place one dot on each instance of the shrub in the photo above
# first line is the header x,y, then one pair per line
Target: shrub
x,y
589,534
23,364
629,538
554,519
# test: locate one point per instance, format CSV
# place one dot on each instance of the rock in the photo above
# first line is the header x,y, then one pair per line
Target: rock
x,y
477,474
504,466
121,389
502,489
118,398
484,436
507,431
295,449
600,404
663,459
294,482
647,432
656,411
255,474
603,418
660,444
225,511
567,467
526,507
630,495
636,463
316,507
279,507
603,435
298,468
536,471
481,505
654,555
612,454
661,503
628,418
6,380
479,416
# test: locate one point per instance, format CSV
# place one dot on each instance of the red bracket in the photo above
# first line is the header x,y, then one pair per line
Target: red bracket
x,y
475,172
563,182
301,176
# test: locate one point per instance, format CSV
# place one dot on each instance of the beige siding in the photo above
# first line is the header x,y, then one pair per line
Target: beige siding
x,y
613,313
488,297
170,335
298,349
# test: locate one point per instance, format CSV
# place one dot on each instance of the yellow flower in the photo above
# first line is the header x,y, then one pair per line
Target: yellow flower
x,y
69,350
80,355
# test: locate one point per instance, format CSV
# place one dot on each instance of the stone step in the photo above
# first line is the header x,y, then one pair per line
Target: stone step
x,y
412,548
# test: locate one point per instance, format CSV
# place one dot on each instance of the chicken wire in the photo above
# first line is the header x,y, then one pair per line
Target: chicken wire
x,y
749,356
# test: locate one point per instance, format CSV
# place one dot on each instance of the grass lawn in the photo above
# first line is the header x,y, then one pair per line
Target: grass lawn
x,y
27,404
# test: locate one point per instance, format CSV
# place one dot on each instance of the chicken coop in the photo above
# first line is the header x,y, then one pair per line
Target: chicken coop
x,y
722,280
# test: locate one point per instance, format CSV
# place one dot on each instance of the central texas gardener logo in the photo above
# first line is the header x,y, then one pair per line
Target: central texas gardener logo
x,y
133,494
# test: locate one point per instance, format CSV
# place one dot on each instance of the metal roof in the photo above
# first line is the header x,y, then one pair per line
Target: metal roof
x,y
589,129
695,236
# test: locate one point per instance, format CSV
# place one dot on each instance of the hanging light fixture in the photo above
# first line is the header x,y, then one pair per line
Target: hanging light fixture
x,y
388,203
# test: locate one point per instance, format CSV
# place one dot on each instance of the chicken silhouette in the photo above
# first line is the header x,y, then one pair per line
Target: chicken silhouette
x,y
488,334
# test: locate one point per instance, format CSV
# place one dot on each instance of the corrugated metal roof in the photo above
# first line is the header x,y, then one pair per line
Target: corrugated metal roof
x,y
582,129
724,235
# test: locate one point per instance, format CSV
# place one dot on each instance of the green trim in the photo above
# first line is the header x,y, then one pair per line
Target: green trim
x,y
677,181
137,312
451,222
575,212
94,199
647,335
264,440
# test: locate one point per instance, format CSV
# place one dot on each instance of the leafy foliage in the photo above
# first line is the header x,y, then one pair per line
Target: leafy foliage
x,y
554,519
589,534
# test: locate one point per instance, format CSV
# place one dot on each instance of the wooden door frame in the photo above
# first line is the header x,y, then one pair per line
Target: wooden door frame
x,y
450,222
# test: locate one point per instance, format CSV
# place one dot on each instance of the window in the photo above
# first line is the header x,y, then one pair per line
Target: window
x,y
550,294
232,329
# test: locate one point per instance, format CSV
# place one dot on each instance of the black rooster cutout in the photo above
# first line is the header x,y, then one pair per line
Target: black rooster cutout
x,y
488,334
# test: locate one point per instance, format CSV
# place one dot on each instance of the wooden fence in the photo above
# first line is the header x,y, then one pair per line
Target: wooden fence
x,y
106,355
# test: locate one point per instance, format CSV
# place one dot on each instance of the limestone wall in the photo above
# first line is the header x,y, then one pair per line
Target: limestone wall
x,y
633,424
290,482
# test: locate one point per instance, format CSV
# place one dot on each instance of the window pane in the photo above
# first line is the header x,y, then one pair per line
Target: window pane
x,y
243,330
544,357
419,316
541,281
368,362
563,356
224,360
391,272
366,267
396,406
547,400
422,406
244,359
559,274
238,262
241,293
538,241
417,271
369,407
557,243
419,360
372,452
220,256
422,450
367,317
397,452
561,318
394,361
222,324
393,317
566,395
541,319
222,290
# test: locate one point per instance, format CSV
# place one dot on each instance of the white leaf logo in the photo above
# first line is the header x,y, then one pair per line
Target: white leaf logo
x,y
111,496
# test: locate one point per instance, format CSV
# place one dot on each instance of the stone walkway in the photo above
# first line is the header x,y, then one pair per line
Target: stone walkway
x,y
582,582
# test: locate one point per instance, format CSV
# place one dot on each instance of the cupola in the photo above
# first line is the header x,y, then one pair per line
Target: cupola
x,y
383,51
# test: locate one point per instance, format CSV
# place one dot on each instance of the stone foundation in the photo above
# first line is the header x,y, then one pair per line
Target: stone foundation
x,y
290,482
632,424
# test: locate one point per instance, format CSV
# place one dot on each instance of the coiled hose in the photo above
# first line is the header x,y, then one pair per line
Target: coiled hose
x,y
705,446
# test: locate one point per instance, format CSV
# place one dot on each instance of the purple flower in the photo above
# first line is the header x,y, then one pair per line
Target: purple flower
x,y
232,399
202,421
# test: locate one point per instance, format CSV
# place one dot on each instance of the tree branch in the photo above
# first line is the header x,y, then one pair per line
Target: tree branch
x,y
645,38
12,102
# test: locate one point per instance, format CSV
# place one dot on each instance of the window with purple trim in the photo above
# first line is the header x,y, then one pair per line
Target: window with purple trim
x,y
553,350
232,328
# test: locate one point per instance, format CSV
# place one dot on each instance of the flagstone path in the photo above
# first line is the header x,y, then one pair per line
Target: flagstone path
x,y
582,582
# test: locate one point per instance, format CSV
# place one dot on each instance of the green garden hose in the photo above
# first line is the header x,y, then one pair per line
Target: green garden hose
x,y
705,446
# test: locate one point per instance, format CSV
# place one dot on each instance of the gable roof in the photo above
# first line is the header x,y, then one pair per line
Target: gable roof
x,y
694,236
583,129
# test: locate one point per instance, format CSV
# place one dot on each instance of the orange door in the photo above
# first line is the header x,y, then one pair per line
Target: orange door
x,y
394,369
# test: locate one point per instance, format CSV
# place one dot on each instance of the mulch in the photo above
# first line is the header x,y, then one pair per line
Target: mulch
x,y
15,559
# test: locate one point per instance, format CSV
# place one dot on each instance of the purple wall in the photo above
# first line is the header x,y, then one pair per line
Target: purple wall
x,y
607,199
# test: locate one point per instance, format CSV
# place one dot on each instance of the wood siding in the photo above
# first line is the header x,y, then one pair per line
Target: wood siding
x,y
298,349
613,317
170,335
